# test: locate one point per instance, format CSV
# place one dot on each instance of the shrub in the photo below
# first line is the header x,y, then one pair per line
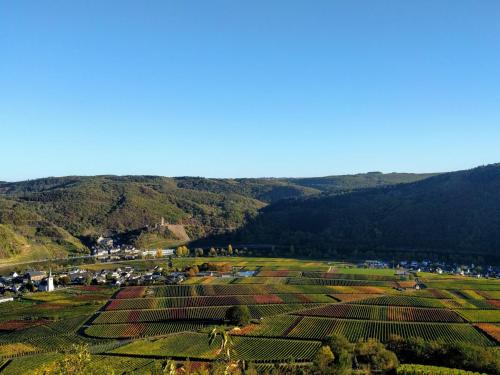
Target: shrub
x,y
239,315
373,355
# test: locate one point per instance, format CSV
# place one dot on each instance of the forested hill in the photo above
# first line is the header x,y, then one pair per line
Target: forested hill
x,y
347,183
54,215
454,213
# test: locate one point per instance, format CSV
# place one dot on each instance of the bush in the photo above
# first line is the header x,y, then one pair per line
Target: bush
x,y
373,355
238,315
454,355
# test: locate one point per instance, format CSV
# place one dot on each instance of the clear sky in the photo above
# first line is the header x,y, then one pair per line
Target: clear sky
x,y
247,88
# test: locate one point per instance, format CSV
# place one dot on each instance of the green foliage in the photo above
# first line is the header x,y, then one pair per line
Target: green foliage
x,y
373,355
238,315
431,370
77,361
323,361
459,355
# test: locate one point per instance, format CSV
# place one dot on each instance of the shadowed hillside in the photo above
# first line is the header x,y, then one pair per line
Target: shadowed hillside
x,y
452,213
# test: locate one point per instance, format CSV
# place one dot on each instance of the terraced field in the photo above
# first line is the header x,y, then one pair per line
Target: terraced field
x,y
392,313
319,328
132,330
185,302
217,313
403,301
135,328
195,346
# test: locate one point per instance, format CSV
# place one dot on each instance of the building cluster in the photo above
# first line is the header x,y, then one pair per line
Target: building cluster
x,y
40,281
29,281
105,248
413,266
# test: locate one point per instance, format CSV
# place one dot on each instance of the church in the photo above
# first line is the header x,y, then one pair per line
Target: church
x,y
47,284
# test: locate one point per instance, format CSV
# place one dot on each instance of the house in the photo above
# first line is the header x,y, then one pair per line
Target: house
x,y
246,273
36,276
163,252
100,252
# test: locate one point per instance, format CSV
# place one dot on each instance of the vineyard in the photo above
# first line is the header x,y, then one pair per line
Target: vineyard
x,y
193,313
195,346
431,370
392,313
349,276
403,301
480,316
133,329
353,330
340,282
186,302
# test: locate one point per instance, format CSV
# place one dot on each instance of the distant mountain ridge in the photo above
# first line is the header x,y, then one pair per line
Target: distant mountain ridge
x,y
48,216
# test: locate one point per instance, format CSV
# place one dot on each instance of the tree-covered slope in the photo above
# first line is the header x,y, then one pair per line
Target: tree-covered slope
x,y
26,235
455,213
347,183
80,209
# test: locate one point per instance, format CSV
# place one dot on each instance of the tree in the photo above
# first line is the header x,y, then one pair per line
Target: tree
x,y
324,360
159,253
64,280
198,252
238,315
372,355
178,251
192,271
30,286
87,280
182,251
342,350
212,252
454,355
230,249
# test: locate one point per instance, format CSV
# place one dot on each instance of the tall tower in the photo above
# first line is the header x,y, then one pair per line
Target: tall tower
x,y
50,282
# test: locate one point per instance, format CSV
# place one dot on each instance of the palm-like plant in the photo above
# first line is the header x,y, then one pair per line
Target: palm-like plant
x,y
226,344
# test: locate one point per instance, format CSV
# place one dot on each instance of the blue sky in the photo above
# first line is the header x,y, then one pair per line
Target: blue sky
x,y
247,88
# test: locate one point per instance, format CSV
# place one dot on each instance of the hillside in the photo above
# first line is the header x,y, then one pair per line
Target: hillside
x,y
79,209
25,235
454,213
347,183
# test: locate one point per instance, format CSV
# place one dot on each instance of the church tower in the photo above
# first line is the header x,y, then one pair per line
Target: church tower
x,y
50,282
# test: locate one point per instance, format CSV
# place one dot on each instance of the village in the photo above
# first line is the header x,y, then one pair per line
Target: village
x,y
107,251
15,284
